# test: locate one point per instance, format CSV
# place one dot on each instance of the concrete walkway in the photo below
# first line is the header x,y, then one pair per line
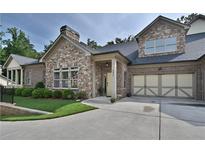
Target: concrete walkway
x,y
125,119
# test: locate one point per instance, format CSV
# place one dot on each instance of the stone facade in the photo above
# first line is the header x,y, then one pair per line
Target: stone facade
x,y
162,29
37,74
65,55
170,68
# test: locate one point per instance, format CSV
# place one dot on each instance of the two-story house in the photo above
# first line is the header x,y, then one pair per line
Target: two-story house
x,y
167,59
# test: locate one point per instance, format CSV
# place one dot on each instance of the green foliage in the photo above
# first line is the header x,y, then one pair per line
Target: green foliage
x,y
57,94
18,91
92,43
81,95
18,44
112,100
68,94
39,85
38,93
47,93
119,40
26,92
47,47
187,19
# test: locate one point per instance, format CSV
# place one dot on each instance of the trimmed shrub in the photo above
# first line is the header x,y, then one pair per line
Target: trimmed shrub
x,y
18,91
38,93
47,93
39,85
26,92
57,94
68,94
113,100
81,95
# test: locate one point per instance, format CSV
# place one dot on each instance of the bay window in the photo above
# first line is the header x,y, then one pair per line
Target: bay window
x,y
66,78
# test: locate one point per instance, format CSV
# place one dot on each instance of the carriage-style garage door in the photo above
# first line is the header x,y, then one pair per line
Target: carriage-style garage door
x,y
168,85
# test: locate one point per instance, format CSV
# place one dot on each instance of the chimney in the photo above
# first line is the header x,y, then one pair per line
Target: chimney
x,y
72,34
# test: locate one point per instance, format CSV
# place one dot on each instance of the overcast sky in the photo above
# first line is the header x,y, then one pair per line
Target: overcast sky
x,y
41,28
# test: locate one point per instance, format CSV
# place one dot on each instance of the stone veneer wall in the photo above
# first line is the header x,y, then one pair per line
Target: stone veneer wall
x,y
171,68
163,29
65,55
121,90
37,73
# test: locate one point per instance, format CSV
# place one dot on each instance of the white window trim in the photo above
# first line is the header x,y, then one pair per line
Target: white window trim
x,y
69,70
155,46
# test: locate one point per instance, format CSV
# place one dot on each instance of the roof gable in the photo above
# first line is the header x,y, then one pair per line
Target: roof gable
x,y
161,18
19,60
200,16
76,44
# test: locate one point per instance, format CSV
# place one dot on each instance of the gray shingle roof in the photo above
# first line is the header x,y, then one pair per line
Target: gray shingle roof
x,y
22,60
195,48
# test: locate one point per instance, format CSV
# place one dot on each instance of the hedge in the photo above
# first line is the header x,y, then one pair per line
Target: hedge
x,y
47,93
26,92
57,94
68,94
38,93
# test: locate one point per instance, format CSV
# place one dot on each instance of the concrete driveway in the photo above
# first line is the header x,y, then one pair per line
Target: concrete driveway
x,y
130,118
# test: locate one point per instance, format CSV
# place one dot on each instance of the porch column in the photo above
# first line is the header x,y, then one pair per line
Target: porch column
x,y
7,76
21,77
94,91
114,78
12,76
16,77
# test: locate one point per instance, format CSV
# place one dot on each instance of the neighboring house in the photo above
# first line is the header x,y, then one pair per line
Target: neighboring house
x,y
168,59
24,71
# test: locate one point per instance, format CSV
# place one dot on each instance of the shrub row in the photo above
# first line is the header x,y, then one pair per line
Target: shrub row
x,y
46,93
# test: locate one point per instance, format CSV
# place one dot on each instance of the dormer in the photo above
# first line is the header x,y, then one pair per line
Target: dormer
x,y
197,25
162,37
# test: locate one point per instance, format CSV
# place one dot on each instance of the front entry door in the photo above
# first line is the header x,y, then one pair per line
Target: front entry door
x,y
109,84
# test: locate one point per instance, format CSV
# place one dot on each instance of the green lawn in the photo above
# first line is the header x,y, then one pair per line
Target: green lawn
x,y
50,105
59,108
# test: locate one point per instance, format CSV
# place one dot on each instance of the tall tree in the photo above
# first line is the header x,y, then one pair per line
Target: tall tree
x,y
2,51
119,40
47,47
19,44
187,19
92,43
110,42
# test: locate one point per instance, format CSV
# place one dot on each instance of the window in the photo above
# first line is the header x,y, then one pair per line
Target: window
x,y
171,44
28,78
149,45
56,78
160,45
66,77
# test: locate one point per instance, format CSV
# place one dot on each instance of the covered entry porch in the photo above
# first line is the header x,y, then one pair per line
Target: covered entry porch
x,y
109,75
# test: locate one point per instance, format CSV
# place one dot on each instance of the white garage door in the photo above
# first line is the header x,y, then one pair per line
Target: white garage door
x,y
168,85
